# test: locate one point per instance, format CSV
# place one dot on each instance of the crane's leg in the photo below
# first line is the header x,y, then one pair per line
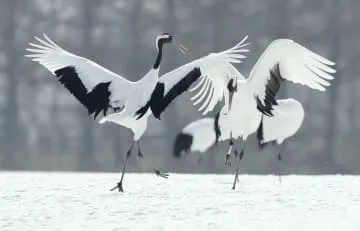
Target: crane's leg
x,y
139,151
279,158
156,170
239,156
119,185
228,155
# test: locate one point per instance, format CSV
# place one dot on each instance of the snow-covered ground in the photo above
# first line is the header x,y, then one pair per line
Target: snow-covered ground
x,y
78,201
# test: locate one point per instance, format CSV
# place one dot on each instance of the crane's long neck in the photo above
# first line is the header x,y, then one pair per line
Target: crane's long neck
x,y
159,55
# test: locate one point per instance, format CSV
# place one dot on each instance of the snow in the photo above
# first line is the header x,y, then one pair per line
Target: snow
x,y
82,201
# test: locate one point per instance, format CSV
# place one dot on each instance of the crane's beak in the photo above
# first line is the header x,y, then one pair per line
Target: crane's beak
x,y
180,46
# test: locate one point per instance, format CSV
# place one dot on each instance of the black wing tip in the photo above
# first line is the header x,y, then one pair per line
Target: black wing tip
x,y
159,101
183,142
96,100
157,116
264,109
272,87
260,134
260,137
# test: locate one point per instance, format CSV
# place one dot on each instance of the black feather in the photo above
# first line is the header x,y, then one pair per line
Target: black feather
x,y
95,101
182,143
159,102
260,136
272,87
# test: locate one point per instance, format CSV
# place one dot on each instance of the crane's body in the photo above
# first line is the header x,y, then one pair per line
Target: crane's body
x,y
244,118
200,135
139,93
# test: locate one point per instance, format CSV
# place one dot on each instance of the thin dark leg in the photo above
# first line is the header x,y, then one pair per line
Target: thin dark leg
x,y
228,155
139,151
279,158
236,154
119,185
156,170
237,168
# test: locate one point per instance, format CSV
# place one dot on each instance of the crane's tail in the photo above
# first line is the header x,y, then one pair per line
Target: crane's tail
x,y
183,143
197,136
287,119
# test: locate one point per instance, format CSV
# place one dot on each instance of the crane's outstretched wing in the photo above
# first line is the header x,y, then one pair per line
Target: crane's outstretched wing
x,y
287,119
212,71
97,88
282,60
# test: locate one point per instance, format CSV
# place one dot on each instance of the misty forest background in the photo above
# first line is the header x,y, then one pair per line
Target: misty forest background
x,y
43,127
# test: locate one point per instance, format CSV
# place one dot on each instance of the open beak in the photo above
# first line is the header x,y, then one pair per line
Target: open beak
x,y
180,46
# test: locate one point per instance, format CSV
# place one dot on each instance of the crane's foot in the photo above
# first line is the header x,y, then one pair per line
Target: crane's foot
x,y
160,173
118,186
228,160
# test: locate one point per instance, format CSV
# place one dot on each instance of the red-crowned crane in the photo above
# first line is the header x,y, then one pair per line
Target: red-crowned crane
x,y
255,107
131,103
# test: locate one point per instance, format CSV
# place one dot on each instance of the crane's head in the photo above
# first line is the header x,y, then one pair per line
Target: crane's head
x,y
163,38
232,88
167,38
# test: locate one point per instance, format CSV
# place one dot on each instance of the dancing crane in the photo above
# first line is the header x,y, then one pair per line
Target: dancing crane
x,y
256,107
128,103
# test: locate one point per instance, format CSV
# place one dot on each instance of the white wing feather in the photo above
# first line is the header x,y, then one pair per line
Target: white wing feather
x,y
287,119
202,132
53,57
216,69
296,63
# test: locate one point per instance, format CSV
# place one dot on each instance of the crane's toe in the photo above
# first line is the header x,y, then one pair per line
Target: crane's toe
x,y
158,172
118,186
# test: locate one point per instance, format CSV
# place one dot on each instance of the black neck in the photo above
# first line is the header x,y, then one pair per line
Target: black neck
x,y
159,55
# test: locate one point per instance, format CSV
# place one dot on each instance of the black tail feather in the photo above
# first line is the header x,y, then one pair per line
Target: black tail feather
x,y
182,143
260,136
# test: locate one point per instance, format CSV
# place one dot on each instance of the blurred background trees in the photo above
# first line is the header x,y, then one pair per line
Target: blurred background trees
x,y
42,127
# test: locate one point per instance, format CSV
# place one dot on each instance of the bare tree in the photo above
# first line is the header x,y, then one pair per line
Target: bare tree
x,y
86,152
335,44
133,57
171,117
11,108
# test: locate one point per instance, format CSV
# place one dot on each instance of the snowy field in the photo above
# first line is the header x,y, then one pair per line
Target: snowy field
x,y
81,201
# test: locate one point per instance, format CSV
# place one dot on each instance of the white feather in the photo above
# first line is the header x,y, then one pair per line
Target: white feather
x,y
203,134
53,57
215,68
287,119
296,63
